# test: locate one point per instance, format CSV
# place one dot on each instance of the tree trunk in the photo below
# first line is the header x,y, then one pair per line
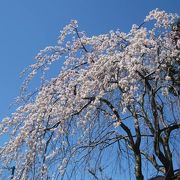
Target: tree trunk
x,y
169,171
138,170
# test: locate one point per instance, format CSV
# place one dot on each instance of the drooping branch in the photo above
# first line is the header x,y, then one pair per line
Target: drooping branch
x,y
125,128
170,128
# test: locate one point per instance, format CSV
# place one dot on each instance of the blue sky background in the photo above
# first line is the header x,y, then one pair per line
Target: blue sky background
x,y
28,26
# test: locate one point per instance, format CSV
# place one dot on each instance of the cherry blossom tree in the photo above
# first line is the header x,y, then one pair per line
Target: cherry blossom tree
x,y
113,106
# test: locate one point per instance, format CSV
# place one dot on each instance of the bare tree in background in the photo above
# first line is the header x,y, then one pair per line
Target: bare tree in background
x,y
114,106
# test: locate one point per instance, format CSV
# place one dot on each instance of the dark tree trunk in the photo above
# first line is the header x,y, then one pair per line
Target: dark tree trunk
x,y
138,166
169,171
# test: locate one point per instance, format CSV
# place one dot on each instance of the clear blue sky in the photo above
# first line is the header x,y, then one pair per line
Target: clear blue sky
x,y
28,26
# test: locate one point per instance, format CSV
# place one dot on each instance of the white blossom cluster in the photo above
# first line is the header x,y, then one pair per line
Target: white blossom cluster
x,y
94,67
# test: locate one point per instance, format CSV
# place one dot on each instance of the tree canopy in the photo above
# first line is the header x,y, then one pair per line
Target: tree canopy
x,y
114,104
